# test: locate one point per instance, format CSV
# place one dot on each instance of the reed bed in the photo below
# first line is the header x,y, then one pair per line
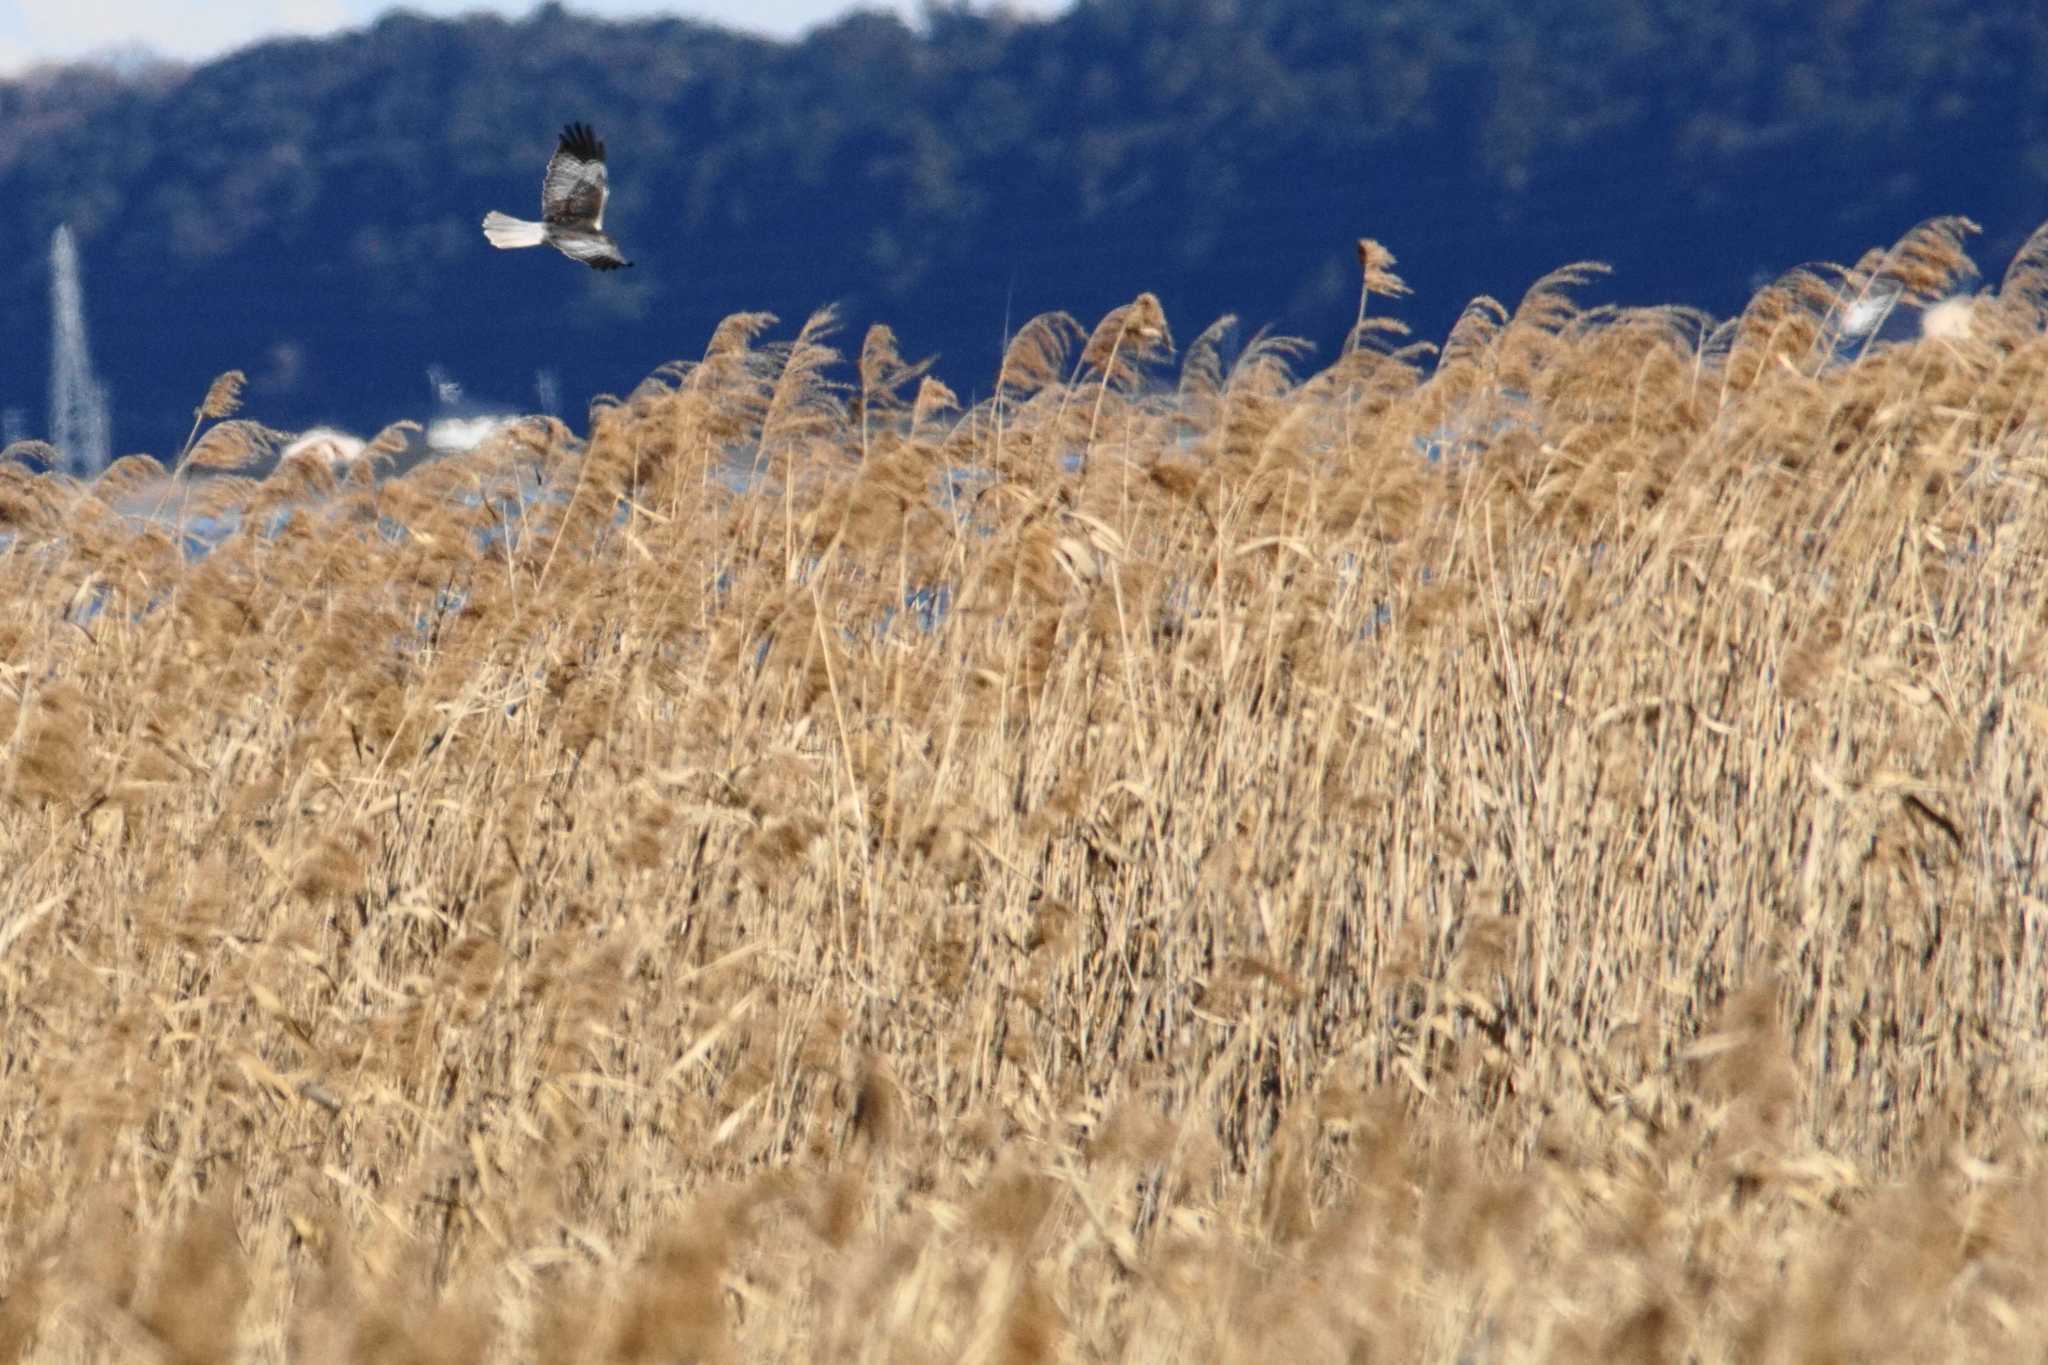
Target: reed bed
x,y
1527,850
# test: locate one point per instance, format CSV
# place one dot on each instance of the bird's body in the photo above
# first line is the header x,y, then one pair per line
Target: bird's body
x,y
572,197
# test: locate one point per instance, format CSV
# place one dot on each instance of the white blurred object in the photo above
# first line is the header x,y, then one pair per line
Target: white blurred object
x,y
464,433
330,446
1952,319
446,389
1871,309
80,425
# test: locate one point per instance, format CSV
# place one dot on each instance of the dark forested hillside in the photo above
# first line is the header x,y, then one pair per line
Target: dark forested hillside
x,y
307,210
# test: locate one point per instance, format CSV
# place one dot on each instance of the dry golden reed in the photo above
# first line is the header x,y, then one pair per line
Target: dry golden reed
x,y
223,399
1525,853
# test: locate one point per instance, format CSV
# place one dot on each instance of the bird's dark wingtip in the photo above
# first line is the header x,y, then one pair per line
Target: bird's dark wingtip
x,y
581,142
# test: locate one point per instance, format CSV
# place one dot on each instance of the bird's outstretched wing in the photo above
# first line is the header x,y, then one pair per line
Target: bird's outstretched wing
x,y
573,191
594,249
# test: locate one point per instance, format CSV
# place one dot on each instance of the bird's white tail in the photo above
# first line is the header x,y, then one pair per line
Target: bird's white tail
x,y
504,230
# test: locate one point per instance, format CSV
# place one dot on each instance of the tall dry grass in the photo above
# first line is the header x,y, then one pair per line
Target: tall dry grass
x,y
1267,896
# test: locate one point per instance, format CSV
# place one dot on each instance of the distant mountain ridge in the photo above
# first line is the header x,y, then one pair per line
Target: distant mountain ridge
x,y
307,210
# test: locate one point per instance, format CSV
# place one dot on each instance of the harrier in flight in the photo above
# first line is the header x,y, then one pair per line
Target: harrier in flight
x,y
572,196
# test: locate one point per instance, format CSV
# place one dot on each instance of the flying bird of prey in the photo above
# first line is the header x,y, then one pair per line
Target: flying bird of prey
x,y
572,196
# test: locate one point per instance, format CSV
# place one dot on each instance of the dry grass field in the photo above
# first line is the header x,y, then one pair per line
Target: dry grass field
x,y
1149,867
